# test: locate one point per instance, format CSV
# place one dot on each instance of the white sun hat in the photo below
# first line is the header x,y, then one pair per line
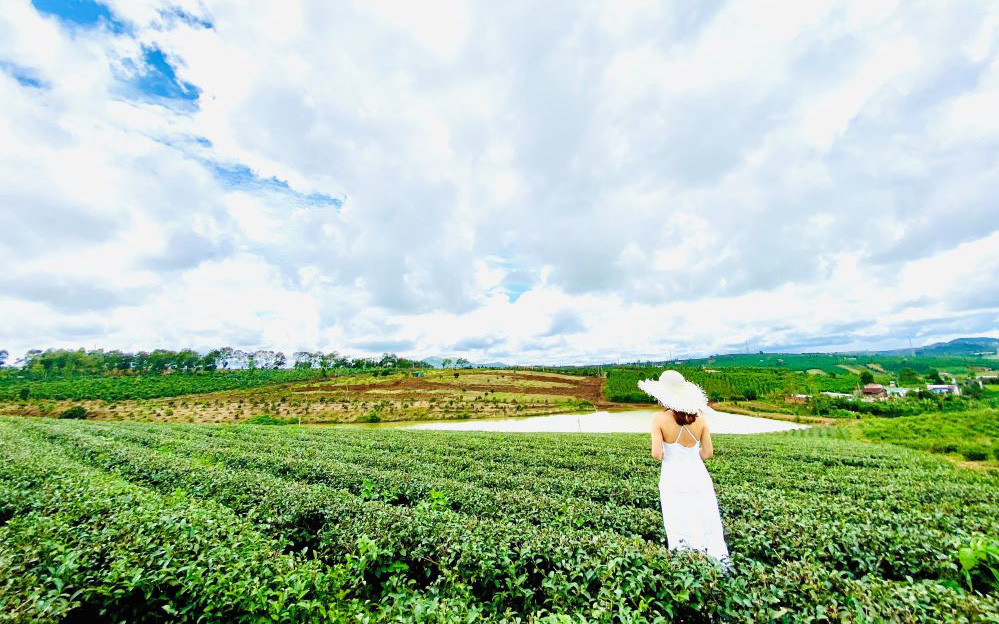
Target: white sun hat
x,y
675,392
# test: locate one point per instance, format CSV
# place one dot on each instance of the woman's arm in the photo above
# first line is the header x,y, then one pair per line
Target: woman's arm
x,y
657,438
707,450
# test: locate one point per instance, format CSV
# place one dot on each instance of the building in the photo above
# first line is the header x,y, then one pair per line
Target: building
x,y
838,395
797,398
944,389
895,391
986,378
874,391
417,373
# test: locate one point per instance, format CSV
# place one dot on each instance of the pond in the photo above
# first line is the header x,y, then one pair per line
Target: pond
x,y
634,421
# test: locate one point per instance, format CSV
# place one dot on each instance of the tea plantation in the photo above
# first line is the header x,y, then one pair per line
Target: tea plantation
x,y
145,522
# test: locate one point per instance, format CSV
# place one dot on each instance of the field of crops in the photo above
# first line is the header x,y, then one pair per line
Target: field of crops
x,y
839,363
374,396
729,383
973,435
149,386
115,521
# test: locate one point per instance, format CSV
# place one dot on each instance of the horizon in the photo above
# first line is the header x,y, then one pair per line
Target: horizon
x,y
565,184
621,361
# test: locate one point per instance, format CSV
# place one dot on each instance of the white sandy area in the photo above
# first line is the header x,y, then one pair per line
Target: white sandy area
x,y
637,421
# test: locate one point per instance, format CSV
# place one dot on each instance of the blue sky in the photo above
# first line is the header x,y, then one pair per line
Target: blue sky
x,y
567,183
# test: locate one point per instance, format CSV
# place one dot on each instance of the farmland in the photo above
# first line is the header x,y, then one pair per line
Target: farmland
x,y
378,396
727,383
148,385
837,363
118,519
972,435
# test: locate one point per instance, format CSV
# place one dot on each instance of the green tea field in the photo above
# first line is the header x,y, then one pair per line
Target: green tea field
x,y
105,521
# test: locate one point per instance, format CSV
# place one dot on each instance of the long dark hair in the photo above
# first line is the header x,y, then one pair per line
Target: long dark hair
x,y
684,418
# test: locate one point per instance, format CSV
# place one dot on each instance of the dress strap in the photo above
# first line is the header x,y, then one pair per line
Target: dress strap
x,y
679,433
684,427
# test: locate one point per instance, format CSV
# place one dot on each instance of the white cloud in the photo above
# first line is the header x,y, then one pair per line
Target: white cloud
x,y
523,182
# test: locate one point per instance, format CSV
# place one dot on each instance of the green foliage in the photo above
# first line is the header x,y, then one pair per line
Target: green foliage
x,y
866,377
124,387
75,412
267,419
908,377
726,384
376,525
918,403
980,564
972,434
834,362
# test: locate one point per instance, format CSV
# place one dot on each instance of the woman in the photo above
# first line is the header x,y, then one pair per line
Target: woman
x,y
681,441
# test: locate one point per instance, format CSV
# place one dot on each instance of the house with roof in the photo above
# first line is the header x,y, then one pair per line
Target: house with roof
x,y
838,395
950,389
873,391
895,392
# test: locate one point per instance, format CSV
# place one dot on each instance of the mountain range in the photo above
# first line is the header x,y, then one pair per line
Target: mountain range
x,y
962,347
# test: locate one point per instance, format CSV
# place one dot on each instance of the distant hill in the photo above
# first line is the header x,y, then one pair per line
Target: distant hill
x,y
967,347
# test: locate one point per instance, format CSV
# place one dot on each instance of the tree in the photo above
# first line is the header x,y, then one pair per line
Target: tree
x,y
226,356
76,412
907,377
264,358
933,376
3,356
446,363
302,359
462,363
973,390
866,377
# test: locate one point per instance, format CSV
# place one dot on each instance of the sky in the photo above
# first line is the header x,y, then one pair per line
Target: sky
x,y
557,182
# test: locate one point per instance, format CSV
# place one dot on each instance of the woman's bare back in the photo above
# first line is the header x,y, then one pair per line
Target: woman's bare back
x,y
672,432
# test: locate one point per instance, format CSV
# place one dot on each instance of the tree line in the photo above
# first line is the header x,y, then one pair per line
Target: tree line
x,y
67,362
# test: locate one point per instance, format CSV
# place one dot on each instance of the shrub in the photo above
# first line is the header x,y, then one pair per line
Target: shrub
x,y
77,412
976,452
266,419
232,524
980,564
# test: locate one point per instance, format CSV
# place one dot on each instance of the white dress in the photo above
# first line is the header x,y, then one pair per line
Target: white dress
x,y
690,507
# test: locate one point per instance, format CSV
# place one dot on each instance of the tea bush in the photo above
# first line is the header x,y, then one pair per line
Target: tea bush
x,y
972,434
224,522
76,412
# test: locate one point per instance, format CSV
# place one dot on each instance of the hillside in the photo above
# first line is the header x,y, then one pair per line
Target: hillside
x,y
371,397
960,347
